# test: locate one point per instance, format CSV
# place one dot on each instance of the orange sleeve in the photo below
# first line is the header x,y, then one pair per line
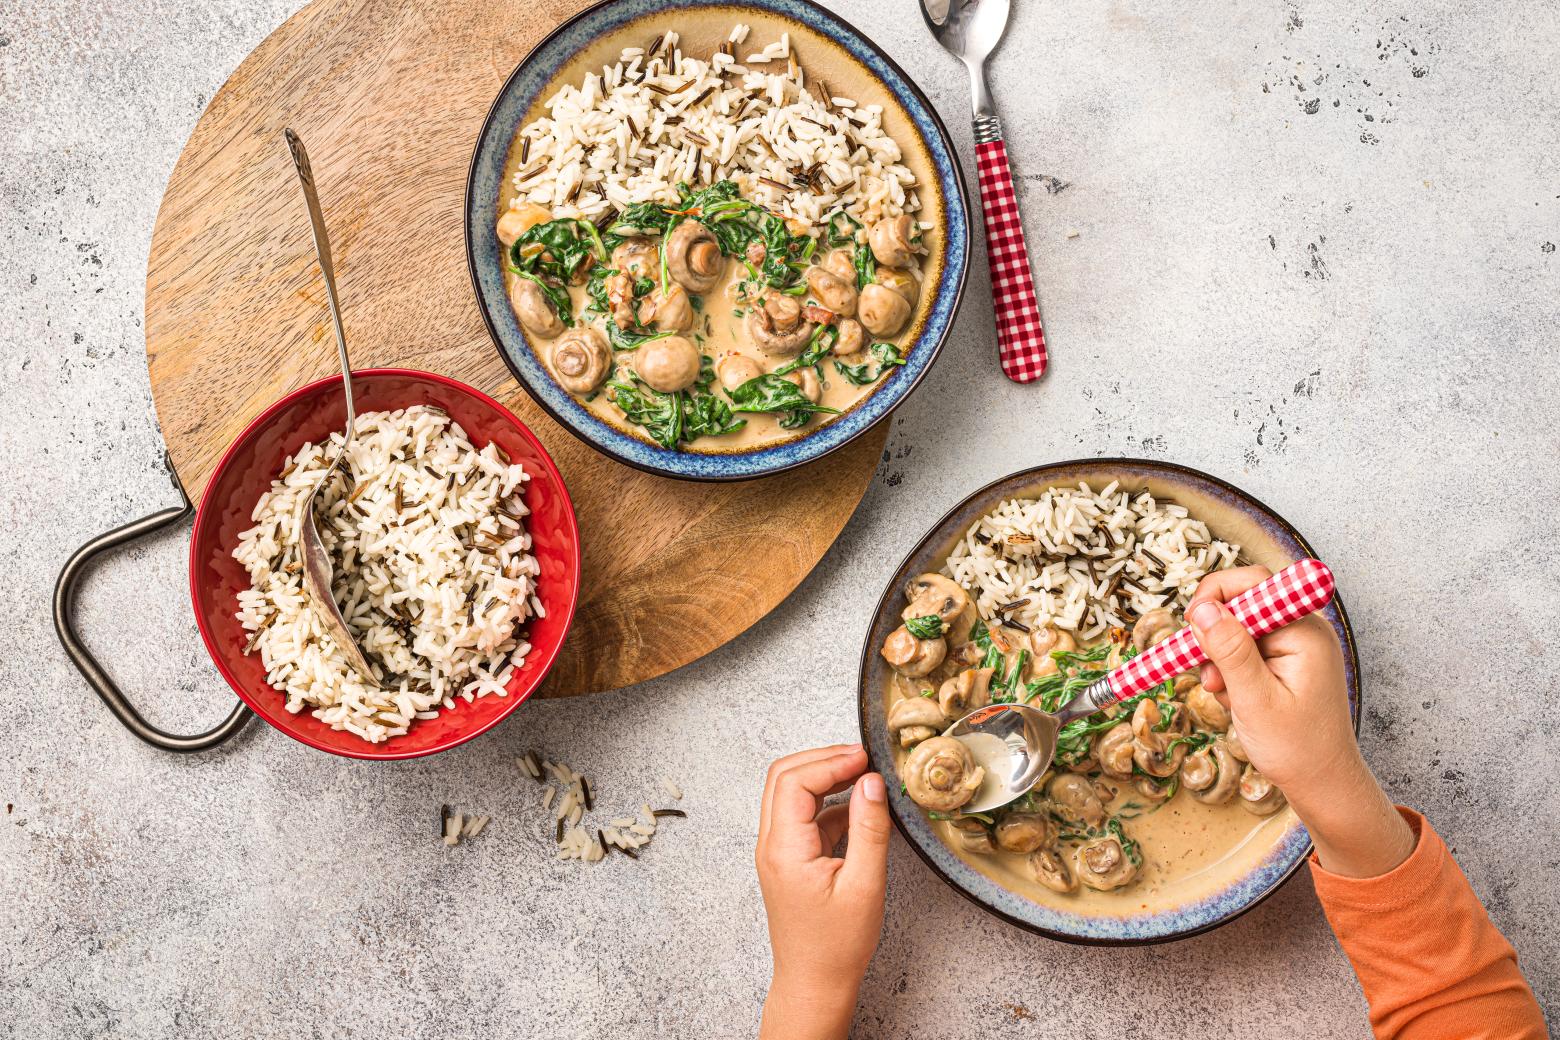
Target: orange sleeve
x,y
1431,963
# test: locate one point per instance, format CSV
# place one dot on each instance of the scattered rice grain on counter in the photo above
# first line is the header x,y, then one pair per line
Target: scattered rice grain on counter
x,y
433,573
1122,552
632,131
576,838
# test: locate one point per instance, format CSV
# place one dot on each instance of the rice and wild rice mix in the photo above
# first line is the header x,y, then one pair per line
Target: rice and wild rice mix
x,y
659,116
1085,561
432,571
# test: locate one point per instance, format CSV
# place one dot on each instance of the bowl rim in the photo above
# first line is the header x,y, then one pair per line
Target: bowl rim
x,y
962,204
373,751
1038,474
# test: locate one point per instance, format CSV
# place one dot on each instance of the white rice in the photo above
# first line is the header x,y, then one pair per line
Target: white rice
x,y
631,132
1085,561
433,573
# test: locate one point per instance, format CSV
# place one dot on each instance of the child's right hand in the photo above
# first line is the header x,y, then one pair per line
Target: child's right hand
x,y
1287,695
1285,691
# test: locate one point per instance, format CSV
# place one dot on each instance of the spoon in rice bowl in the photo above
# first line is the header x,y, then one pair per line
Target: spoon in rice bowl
x,y
316,561
1014,743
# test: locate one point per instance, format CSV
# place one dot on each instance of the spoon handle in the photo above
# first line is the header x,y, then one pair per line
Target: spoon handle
x,y
1294,592
311,198
1020,338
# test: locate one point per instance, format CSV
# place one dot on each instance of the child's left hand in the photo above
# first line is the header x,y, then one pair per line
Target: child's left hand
x,y
825,913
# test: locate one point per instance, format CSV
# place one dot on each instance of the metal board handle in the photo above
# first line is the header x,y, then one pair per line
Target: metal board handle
x,y
64,625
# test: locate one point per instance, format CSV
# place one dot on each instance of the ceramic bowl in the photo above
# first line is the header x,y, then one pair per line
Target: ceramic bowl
x,y
596,36
1232,515
315,411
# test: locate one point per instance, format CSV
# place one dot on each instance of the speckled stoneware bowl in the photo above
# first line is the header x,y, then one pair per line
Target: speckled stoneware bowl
x,y
1232,515
855,67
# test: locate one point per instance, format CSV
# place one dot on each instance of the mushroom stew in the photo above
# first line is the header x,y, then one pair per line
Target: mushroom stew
x,y
713,324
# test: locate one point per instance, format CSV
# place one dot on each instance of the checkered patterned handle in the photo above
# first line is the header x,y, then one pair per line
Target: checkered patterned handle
x,y
1297,590
1020,339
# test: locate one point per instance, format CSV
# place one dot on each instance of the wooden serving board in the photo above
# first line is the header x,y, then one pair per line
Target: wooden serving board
x,y
389,97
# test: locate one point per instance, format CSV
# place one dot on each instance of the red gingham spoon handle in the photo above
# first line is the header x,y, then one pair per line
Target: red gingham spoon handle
x,y
1297,590
1020,339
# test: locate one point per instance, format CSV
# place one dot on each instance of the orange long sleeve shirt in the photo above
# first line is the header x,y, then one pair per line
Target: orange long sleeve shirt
x,y
1431,963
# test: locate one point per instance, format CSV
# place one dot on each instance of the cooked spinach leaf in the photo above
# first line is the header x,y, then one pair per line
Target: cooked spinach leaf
x,y
928,627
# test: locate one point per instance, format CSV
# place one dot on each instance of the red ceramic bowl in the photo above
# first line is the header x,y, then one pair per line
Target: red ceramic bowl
x,y
309,414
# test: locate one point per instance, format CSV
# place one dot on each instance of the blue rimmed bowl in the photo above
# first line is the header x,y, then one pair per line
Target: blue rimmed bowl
x,y
1181,910
856,67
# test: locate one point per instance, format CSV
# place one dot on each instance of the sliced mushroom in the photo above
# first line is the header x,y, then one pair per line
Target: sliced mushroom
x,y
1077,798
637,258
534,309
807,379
965,692
519,218
935,594
1022,832
912,657
902,282
1211,774
620,299
1204,708
668,364
972,835
1257,793
890,240
668,311
832,291
916,719
1103,864
1151,746
1115,750
1152,790
581,359
1152,627
693,257
1051,870
849,339
841,263
941,775
1232,741
735,369
777,325
882,310
1043,642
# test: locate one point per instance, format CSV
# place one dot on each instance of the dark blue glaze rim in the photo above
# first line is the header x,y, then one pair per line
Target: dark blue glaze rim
x,y
484,257
1182,922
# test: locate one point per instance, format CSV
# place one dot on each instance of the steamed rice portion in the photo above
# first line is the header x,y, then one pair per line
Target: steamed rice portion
x,y
432,570
1085,561
745,113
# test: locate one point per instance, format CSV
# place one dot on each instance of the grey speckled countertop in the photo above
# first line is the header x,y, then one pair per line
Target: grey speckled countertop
x,y
1315,256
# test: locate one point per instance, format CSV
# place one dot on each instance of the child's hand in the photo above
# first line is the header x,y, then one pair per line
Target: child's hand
x,y
1285,691
825,913
1287,696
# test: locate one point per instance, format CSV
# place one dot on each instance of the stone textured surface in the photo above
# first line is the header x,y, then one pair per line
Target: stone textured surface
x,y
1315,256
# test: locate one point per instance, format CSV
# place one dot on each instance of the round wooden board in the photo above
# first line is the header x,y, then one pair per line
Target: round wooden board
x,y
389,96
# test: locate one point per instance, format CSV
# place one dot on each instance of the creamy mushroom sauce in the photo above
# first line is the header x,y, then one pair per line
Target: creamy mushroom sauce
x,y
1179,849
1189,850
695,399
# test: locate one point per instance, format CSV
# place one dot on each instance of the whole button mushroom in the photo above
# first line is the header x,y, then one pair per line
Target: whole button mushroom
x,y
916,719
1103,864
912,656
832,291
534,309
941,774
668,364
581,359
668,311
890,240
882,310
735,369
1257,793
1022,832
1051,870
693,257
777,325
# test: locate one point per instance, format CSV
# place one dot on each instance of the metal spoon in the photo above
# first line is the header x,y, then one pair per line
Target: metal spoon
x,y
316,562
1015,742
970,30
